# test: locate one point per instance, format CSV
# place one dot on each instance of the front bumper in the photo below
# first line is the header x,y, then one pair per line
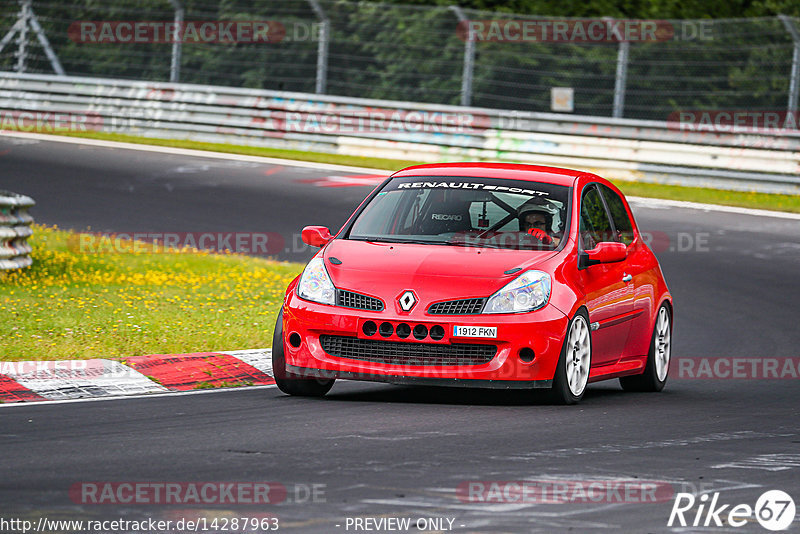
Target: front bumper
x,y
542,332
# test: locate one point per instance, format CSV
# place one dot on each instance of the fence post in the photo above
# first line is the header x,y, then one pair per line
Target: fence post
x,y
20,29
469,58
22,35
794,77
322,47
621,78
177,43
48,50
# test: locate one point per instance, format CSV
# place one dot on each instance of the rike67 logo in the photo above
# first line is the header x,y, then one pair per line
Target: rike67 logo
x,y
774,510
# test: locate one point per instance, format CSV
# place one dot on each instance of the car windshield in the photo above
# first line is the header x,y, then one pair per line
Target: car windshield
x,y
482,212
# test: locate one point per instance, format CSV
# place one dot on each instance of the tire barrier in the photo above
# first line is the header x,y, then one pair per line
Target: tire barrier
x,y
15,229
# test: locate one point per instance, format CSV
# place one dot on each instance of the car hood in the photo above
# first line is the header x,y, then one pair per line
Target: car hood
x,y
433,272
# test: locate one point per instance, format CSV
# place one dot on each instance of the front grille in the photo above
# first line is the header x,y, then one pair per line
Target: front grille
x,y
357,301
457,307
397,353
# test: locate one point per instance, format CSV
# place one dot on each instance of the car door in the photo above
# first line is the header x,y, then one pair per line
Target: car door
x,y
608,287
638,266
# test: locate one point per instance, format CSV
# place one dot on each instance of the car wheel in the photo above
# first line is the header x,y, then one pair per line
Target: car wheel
x,y
288,383
572,371
655,371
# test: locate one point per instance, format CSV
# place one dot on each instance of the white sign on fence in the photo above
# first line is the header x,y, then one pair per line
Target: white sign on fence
x,y
562,99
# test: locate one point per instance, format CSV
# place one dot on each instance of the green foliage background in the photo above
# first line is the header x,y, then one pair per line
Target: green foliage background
x,y
410,51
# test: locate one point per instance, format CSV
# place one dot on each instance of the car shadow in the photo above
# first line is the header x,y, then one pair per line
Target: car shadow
x,y
404,394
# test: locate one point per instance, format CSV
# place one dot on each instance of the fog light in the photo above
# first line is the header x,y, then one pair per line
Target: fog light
x,y
403,330
527,355
386,329
369,328
295,339
420,331
437,332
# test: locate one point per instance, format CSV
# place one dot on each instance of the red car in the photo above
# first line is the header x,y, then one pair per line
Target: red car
x,y
479,275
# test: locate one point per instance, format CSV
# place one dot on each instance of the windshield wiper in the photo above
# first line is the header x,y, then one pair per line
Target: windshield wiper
x,y
472,244
377,239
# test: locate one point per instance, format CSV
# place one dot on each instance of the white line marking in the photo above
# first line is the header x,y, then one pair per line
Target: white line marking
x,y
193,153
663,203
764,462
620,448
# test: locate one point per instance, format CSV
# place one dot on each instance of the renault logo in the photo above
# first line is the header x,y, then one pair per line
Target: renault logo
x,y
407,301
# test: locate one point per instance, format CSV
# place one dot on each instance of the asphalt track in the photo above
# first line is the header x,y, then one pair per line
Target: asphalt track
x,y
390,451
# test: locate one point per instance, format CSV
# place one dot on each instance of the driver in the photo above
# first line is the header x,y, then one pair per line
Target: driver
x,y
537,221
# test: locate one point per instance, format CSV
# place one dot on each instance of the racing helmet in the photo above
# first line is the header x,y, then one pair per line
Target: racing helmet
x,y
535,206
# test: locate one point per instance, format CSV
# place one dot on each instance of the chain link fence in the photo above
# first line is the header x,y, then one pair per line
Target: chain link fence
x,y
442,55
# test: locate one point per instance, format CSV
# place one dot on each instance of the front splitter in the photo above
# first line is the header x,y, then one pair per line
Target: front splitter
x,y
420,380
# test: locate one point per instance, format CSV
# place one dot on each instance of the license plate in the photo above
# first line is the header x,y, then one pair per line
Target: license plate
x,y
474,331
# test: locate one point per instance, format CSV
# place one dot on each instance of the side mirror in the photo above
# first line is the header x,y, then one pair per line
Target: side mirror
x,y
605,252
316,236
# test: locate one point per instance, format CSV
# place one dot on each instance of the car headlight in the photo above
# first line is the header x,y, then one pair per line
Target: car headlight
x,y
528,292
315,284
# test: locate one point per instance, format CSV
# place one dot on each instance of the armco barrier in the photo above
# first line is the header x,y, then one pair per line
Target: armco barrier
x,y
15,230
617,148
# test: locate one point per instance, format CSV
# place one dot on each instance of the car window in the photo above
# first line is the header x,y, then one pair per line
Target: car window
x,y
622,223
595,226
482,213
470,211
378,219
412,211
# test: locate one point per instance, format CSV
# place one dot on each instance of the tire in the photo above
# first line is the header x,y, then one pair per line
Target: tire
x,y
656,370
288,383
572,371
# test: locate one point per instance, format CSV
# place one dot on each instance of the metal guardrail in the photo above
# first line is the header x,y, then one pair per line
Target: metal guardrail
x,y
15,230
436,53
640,150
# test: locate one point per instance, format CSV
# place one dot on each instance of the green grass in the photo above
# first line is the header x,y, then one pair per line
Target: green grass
x,y
73,305
790,203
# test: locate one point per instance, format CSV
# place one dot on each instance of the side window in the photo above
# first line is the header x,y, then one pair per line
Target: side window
x,y
619,215
595,225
